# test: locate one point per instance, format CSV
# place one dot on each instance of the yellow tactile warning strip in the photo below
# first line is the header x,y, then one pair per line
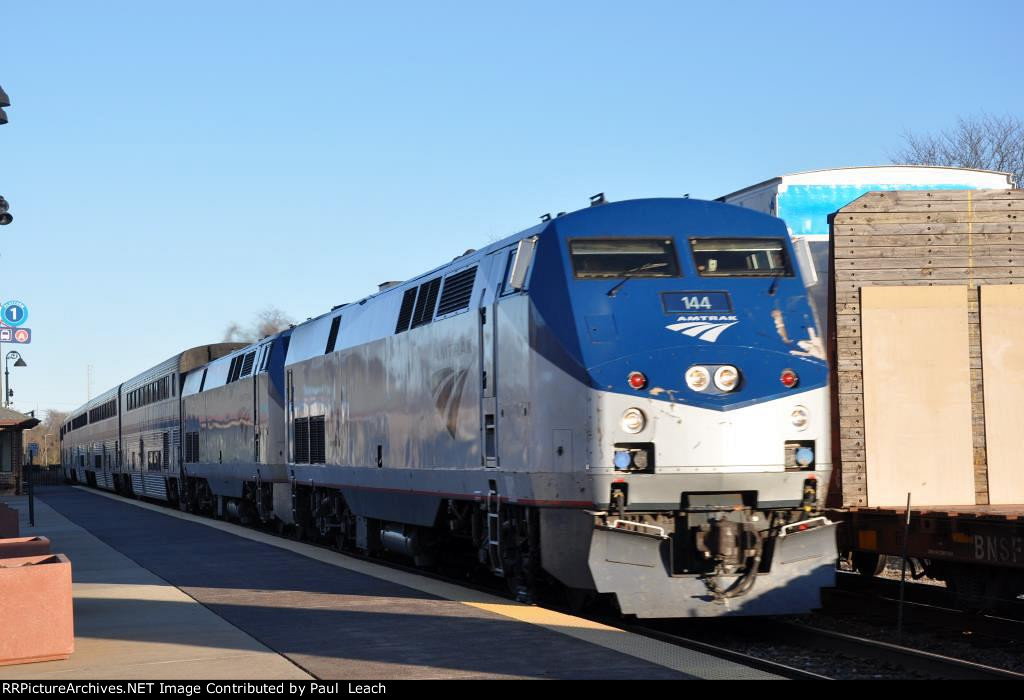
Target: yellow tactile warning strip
x,y
679,659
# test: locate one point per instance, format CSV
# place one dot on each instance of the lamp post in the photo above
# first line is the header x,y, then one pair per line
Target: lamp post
x,y
12,355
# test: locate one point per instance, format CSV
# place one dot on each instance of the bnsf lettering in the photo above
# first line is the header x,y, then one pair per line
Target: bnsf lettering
x,y
1006,550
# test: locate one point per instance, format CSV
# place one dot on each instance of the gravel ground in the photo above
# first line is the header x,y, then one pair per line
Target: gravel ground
x,y
743,638
1002,654
893,572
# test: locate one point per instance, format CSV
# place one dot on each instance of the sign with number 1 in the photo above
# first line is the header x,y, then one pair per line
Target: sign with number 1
x,y
14,313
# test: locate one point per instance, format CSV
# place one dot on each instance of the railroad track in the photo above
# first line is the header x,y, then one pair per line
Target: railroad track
x,y
762,664
819,653
923,662
923,593
925,607
981,629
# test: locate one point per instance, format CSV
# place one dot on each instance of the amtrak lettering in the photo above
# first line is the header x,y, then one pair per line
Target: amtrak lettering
x,y
706,328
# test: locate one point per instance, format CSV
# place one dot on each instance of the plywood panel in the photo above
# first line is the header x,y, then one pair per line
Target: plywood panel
x,y
917,395
1002,357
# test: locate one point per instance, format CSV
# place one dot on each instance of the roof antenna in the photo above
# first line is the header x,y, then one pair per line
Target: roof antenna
x,y
597,199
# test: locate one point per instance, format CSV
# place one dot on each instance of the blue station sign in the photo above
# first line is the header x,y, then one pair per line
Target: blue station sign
x,y
13,313
21,336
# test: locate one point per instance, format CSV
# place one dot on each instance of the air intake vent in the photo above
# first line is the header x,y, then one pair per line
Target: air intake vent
x,y
302,440
332,338
247,363
405,315
424,313
235,369
317,440
191,447
458,288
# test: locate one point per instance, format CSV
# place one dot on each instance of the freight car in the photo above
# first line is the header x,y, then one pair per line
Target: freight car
x,y
928,364
630,399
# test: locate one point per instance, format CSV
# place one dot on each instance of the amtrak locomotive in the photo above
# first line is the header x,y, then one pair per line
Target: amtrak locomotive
x,y
630,399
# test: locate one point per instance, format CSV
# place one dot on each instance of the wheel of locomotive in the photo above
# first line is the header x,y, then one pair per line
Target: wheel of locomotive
x,y
521,554
173,498
344,534
868,563
579,599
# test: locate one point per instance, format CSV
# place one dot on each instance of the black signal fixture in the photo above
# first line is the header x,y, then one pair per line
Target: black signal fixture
x,y
5,101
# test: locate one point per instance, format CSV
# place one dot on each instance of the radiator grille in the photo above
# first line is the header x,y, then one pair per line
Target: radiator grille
x,y
458,289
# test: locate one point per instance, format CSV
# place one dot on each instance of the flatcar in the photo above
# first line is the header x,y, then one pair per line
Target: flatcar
x,y
628,400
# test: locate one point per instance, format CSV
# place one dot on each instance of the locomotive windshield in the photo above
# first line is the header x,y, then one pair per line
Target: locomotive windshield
x,y
623,257
740,257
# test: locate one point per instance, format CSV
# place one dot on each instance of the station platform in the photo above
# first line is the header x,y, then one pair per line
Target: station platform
x,y
168,595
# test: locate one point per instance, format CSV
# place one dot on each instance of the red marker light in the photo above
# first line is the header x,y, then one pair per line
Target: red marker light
x,y
637,380
788,378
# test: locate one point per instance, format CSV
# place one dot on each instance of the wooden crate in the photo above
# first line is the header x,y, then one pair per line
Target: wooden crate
x,y
966,238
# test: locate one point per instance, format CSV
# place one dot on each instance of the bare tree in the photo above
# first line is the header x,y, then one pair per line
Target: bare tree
x,y
986,142
271,320
47,436
267,322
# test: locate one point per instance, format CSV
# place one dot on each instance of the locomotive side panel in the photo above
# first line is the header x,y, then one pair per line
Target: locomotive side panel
x,y
228,423
408,400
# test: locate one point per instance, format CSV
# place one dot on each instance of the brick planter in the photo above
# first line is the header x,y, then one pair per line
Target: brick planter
x,y
35,609
8,521
23,547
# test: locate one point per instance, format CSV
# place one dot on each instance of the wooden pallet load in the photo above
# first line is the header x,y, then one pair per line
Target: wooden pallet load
x,y
927,348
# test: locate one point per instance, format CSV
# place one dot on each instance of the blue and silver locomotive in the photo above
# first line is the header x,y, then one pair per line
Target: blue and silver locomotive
x,y
630,399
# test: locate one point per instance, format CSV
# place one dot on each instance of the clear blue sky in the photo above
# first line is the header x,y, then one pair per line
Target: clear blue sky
x,y
174,168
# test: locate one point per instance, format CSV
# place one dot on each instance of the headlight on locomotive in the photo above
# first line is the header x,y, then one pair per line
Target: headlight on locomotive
x,y
727,378
800,417
633,420
698,378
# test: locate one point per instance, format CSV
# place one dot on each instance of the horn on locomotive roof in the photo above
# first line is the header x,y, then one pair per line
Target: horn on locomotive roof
x,y
545,217
597,199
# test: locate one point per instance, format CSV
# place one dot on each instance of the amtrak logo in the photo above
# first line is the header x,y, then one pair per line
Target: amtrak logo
x,y
706,328
448,386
